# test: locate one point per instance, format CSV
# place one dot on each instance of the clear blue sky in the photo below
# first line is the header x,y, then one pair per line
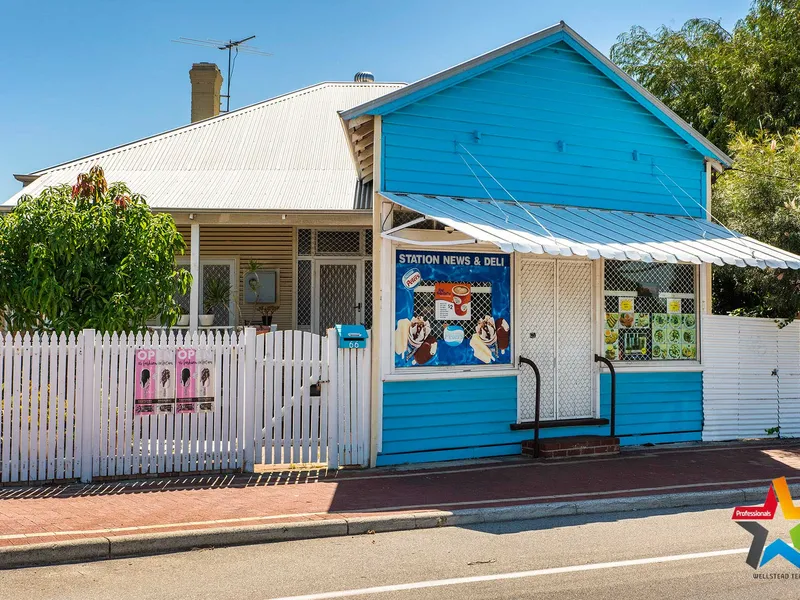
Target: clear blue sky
x,y
81,76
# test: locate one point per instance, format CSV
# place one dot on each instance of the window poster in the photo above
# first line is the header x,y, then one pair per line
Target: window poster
x,y
154,391
452,309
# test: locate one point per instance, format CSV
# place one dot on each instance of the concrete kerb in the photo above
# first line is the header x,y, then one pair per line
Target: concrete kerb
x,y
179,541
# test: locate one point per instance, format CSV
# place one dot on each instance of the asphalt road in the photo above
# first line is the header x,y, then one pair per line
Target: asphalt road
x,y
621,556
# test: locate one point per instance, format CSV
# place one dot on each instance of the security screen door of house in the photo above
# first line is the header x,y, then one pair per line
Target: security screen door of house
x,y
340,283
334,278
555,306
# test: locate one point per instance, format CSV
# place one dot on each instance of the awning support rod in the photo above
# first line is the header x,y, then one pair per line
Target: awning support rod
x,y
403,240
406,225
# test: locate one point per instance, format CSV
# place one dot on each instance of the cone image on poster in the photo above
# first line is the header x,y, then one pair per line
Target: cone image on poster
x,y
154,376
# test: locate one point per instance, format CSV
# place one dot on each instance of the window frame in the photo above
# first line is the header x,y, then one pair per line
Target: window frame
x,y
234,280
701,283
408,373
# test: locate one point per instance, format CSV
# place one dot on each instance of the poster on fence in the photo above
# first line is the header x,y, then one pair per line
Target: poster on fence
x,y
154,391
195,390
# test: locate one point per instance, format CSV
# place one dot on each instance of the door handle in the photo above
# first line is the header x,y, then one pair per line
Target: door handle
x,y
358,307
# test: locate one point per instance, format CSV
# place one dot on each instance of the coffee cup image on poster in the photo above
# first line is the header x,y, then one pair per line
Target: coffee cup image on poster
x,y
452,309
154,385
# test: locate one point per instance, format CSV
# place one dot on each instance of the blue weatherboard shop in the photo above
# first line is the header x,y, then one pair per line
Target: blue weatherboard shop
x,y
536,203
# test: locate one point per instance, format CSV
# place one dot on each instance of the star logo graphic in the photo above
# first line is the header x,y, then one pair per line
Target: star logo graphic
x,y
746,517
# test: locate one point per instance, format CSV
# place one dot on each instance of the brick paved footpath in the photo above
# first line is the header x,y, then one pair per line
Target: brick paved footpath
x,y
31,515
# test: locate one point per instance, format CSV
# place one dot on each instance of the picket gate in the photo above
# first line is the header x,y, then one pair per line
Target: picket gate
x,y
67,407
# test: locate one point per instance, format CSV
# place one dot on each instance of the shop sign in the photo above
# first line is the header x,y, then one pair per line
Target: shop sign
x,y
452,309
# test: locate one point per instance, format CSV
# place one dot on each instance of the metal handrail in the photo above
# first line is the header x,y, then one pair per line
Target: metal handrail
x,y
613,419
530,363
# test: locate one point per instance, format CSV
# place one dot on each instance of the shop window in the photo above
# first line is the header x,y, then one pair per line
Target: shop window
x,y
650,311
452,309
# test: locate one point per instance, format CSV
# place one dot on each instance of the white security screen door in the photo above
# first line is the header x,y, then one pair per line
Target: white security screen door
x,y
555,316
341,293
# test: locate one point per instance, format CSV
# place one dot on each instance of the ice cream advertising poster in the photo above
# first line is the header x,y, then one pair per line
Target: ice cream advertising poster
x,y
452,309
154,373
194,368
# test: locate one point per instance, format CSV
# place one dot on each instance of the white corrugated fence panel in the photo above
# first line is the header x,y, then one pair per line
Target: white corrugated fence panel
x,y
751,379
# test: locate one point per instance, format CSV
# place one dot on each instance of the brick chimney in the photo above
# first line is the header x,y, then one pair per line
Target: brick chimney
x,y
206,83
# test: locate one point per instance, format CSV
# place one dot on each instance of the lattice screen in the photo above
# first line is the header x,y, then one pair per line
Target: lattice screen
x,y
481,305
661,324
338,242
222,314
335,286
334,302
304,294
537,336
575,360
304,242
368,294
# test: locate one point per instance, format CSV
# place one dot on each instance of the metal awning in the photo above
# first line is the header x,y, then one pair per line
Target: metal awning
x,y
593,233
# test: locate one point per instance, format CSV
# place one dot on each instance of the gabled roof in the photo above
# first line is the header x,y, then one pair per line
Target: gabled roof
x,y
287,153
551,35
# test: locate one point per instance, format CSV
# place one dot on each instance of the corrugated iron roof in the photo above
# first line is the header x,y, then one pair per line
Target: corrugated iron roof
x,y
595,233
286,153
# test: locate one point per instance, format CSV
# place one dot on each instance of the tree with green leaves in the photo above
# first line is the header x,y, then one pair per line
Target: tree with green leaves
x,y
720,82
90,256
735,87
761,198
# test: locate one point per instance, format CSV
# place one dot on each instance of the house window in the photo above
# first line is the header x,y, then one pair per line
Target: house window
x,y
212,270
650,311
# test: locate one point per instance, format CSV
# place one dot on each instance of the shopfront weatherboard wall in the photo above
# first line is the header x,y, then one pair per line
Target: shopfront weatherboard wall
x,y
451,419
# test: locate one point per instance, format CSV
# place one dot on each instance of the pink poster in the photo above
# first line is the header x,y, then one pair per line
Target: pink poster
x,y
154,372
194,368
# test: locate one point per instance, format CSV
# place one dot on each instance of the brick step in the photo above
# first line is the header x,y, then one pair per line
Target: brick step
x,y
571,447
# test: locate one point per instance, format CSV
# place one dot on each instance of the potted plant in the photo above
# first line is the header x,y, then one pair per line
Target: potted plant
x,y
266,311
217,294
183,320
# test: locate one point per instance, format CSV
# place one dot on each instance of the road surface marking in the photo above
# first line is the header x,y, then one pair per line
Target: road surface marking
x,y
518,575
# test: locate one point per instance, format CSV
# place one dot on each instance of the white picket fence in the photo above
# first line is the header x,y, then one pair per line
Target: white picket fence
x,y
67,408
751,378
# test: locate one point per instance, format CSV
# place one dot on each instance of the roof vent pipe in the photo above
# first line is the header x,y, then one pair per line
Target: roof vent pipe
x,y
364,77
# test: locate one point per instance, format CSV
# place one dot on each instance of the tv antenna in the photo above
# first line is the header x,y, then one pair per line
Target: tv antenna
x,y
233,47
